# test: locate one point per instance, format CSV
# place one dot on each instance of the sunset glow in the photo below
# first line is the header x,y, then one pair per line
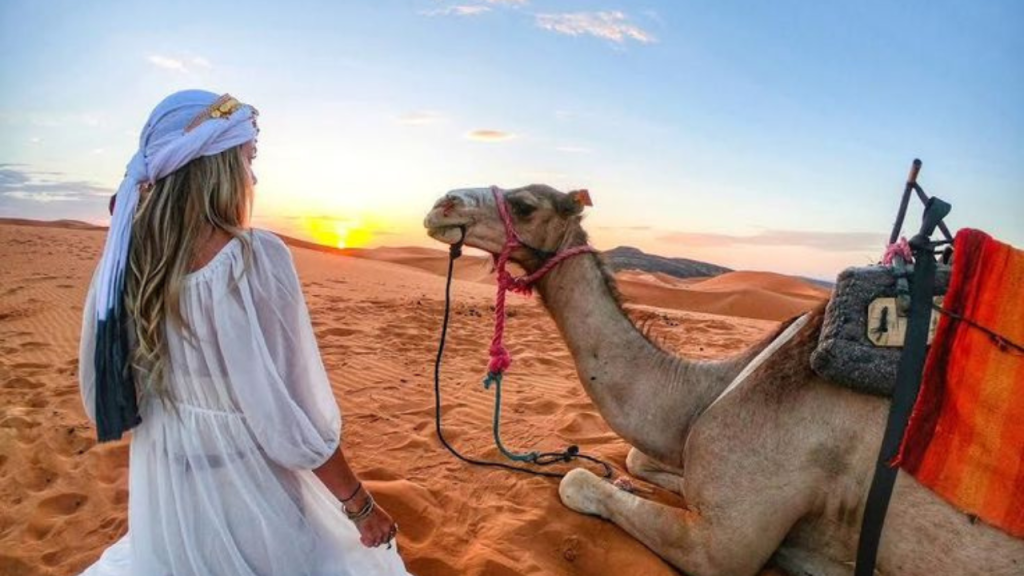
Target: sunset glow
x,y
745,134
337,233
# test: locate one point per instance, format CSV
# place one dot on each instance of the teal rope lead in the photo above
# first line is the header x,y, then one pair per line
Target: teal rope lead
x,y
495,378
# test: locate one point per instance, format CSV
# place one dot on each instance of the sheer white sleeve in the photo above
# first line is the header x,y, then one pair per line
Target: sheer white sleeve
x,y
288,401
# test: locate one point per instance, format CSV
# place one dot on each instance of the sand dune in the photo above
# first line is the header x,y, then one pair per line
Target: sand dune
x,y
760,295
377,316
757,295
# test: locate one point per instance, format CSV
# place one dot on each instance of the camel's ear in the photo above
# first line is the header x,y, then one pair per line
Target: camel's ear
x,y
576,201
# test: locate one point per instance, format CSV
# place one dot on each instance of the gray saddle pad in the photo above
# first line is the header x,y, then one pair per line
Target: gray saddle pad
x,y
845,354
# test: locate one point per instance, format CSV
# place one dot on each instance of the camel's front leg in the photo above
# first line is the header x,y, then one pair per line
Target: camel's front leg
x,y
683,537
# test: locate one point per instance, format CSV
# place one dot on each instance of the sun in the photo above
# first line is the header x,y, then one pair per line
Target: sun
x,y
338,233
341,231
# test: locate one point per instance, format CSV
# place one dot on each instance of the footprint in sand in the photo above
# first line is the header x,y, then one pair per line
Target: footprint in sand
x,y
18,423
64,504
36,478
71,443
55,557
37,402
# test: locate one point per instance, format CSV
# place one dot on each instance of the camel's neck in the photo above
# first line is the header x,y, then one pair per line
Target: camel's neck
x,y
649,397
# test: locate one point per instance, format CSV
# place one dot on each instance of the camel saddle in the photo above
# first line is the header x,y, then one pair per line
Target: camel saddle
x,y
864,326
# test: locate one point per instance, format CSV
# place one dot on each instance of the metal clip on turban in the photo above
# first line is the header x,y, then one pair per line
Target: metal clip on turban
x,y
224,107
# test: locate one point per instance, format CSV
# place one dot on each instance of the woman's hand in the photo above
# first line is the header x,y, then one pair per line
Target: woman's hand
x,y
377,528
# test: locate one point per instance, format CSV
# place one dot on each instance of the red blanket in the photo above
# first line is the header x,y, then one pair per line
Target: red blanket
x,y
965,438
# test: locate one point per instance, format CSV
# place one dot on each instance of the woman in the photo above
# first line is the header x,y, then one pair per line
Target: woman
x,y
196,334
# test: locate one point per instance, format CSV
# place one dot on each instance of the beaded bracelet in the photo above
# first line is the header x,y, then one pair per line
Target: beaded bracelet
x,y
365,511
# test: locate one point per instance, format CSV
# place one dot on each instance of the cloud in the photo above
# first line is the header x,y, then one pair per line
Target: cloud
x,y
460,10
179,64
490,135
824,241
420,118
36,186
611,25
508,2
167,63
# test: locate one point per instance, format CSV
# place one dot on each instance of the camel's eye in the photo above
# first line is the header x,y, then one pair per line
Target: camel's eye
x,y
521,208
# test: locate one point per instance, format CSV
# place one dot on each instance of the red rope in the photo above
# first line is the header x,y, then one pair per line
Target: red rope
x,y
500,358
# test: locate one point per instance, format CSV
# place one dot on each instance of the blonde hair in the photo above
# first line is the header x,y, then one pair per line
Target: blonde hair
x,y
207,194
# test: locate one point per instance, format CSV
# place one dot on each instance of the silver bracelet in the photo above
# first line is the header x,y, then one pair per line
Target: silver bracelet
x,y
363,512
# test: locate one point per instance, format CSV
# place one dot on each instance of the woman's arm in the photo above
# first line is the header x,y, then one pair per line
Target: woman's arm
x,y
336,474
375,529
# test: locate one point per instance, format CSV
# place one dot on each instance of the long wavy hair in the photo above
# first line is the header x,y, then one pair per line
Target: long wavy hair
x,y
209,193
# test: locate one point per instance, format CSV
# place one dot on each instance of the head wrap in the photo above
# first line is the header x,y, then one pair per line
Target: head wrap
x,y
184,126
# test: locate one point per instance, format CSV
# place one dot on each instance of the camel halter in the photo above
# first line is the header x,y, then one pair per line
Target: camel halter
x,y
500,358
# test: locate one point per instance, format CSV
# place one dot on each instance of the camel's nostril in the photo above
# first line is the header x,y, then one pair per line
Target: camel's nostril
x,y
446,203
447,207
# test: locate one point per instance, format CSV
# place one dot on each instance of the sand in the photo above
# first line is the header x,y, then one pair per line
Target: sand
x,y
377,315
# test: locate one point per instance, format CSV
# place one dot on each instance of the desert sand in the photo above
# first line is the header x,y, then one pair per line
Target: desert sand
x,y
377,315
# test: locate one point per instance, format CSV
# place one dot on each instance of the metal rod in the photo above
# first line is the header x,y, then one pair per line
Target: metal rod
x,y
915,169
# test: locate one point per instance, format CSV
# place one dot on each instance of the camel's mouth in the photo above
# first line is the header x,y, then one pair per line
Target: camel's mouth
x,y
448,234
454,212
443,227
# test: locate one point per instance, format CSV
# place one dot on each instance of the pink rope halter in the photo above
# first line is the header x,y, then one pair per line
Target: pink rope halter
x,y
500,358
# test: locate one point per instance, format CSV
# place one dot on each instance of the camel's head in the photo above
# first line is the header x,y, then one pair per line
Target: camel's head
x,y
544,218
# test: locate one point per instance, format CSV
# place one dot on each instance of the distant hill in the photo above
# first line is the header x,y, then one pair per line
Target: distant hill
x,y
629,258
66,224
818,282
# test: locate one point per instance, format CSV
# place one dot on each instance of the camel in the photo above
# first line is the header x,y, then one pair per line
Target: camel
x,y
773,462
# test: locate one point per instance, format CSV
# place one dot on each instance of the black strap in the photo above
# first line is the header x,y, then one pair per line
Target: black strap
x,y
908,383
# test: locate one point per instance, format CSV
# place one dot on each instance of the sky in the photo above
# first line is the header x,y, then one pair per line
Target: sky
x,y
755,135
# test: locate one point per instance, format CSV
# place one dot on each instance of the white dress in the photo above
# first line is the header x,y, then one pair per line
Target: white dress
x,y
220,480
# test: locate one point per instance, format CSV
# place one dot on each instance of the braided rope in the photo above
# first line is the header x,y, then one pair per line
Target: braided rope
x,y
500,357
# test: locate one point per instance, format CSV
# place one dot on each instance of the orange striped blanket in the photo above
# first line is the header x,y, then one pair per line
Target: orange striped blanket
x,y
965,438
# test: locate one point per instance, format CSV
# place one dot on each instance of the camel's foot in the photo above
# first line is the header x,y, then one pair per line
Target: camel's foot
x,y
646,468
584,492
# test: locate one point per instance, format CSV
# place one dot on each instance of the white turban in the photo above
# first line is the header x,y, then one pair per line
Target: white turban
x,y
185,126
179,130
